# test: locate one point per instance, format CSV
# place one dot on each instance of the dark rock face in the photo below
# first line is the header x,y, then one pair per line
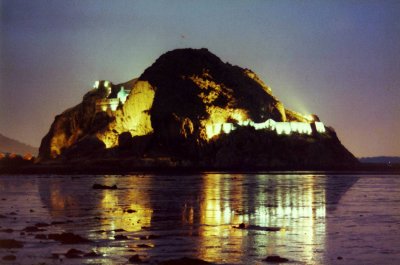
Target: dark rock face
x,y
135,259
9,257
248,148
166,118
10,243
68,238
104,187
195,88
276,259
184,77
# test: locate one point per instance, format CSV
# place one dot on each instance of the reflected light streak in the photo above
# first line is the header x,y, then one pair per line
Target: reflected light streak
x,y
293,208
217,217
114,207
61,203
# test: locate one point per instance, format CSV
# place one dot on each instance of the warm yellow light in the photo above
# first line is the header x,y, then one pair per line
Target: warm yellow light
x,y
114,206
218,120
134,116
212,130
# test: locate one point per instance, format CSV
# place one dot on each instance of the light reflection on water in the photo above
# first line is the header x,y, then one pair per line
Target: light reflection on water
x,y
300,217
115,206
298,210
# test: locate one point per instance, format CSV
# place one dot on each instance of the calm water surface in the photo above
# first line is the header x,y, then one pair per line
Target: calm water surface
x,y
309,219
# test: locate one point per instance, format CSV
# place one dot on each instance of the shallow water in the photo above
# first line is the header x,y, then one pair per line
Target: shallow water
x,y
309,219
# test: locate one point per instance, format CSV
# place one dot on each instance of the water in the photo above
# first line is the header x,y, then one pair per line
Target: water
x,y
307,218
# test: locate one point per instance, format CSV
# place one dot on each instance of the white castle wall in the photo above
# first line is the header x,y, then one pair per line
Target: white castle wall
x,y
279,127
217,128
320,127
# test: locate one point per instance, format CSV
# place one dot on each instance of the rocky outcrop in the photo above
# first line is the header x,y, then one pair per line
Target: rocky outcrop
x,y
82,129
73,126
168,114
195,89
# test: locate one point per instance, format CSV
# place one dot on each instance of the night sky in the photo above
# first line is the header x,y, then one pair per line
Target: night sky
x,y
338,59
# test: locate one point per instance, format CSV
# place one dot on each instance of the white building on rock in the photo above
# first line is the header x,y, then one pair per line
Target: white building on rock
x,y
281,128
110,104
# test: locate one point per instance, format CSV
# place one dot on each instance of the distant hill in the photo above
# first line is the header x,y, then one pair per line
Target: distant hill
x,y
8,145
380,159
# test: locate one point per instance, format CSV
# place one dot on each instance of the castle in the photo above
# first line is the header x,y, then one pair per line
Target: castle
x,y
279,127
110,103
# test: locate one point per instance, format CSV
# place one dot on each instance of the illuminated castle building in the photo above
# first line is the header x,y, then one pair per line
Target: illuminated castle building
x,y
279,127
110,103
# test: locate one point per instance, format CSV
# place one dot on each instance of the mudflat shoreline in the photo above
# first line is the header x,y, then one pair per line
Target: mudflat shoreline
x,y
209,218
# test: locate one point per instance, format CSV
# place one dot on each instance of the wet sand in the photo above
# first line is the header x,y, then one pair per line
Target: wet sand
x,y
219,218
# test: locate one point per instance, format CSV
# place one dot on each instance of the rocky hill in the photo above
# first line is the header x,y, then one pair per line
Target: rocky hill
x,y
191,109
8,145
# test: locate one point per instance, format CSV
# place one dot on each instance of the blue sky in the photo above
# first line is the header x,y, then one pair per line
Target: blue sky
x,y
338,59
